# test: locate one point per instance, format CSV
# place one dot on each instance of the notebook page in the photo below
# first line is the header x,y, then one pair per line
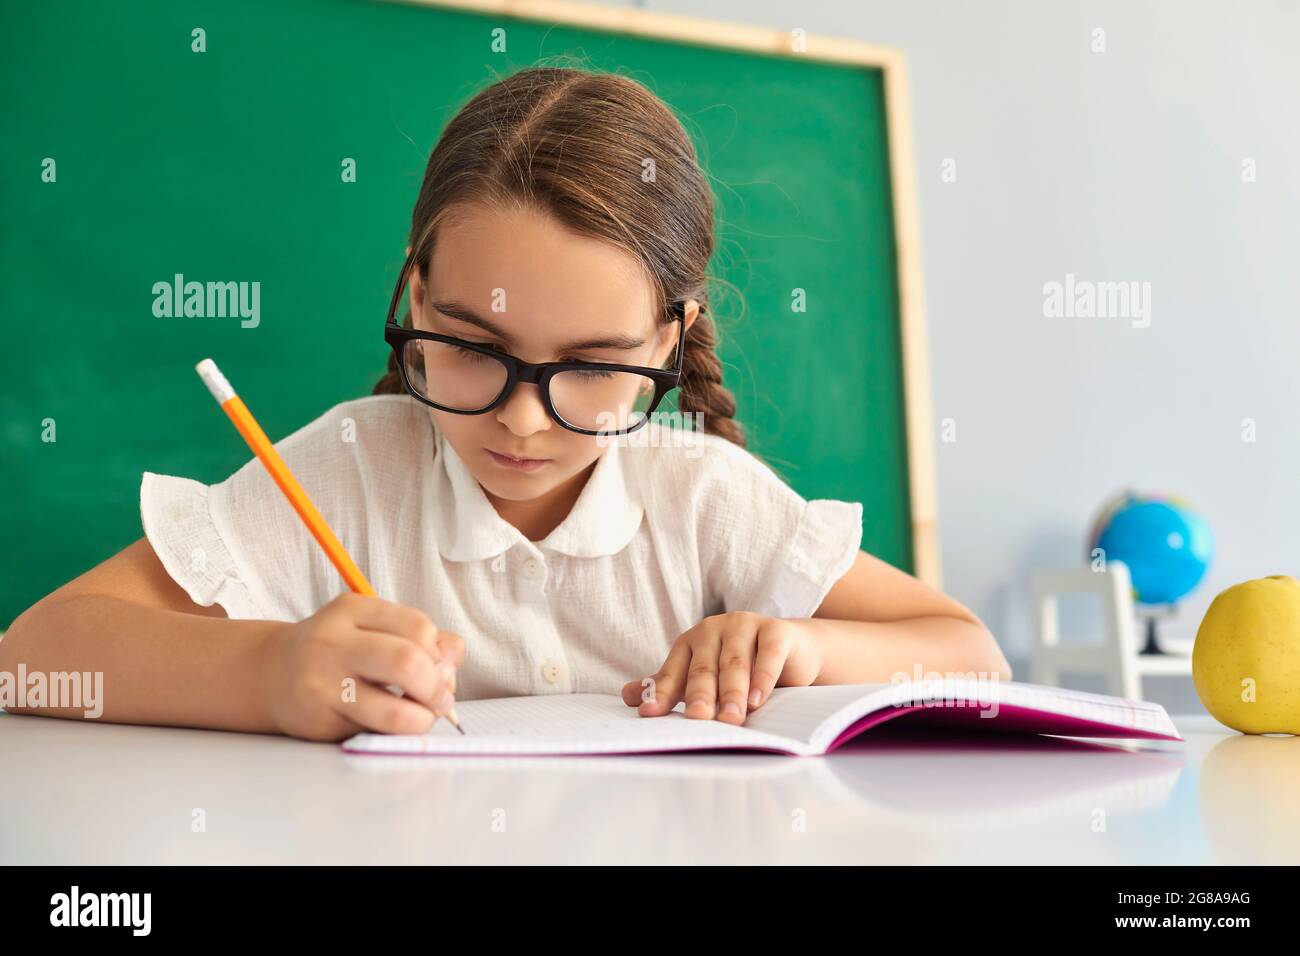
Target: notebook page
x,y
566,724
798,712
1117,711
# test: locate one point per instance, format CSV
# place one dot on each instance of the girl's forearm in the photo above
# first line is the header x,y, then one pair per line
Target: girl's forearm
x,y
868,652
158,666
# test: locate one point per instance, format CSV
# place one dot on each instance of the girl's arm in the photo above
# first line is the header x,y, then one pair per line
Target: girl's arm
x,y
877,621
164,659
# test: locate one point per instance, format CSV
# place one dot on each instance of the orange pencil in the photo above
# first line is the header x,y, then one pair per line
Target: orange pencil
x,y
261,446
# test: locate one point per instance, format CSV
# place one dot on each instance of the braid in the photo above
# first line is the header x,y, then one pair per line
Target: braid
x,y
701,384
391,382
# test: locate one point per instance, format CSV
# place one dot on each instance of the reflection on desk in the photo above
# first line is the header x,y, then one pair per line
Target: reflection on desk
x,y
79,792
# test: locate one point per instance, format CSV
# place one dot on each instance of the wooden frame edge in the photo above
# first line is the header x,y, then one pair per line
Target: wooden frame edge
x,y
926,558
902,173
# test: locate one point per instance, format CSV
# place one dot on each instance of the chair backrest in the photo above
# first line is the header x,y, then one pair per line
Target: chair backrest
x,y
1114,655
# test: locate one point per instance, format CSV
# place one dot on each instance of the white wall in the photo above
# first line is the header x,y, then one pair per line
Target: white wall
x,y
1114,166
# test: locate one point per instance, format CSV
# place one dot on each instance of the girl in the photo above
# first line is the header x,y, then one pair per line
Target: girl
x,y
505,482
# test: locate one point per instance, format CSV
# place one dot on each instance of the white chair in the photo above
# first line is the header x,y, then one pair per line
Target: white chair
x,y
1117,657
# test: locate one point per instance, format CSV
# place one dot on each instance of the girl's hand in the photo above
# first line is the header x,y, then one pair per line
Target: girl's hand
x,y
727,665
325,676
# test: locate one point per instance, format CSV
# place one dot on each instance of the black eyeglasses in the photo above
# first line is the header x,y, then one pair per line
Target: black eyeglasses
x,y
471,378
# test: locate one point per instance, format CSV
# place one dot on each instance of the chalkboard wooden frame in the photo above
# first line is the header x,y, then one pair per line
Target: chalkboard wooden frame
x,y
782,43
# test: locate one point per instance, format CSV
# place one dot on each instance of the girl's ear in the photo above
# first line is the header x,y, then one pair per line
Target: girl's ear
x,y
416,285
692,312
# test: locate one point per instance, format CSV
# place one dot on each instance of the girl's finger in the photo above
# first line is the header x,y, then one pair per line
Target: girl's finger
x,y
773,649
736,662
451,648
399,620
701,694
451,656
378,711
384,659
666,686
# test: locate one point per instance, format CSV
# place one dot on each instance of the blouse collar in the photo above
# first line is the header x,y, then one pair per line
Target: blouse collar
x,y
468,528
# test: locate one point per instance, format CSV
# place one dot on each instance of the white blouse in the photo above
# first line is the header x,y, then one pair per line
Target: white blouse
x,y
672,526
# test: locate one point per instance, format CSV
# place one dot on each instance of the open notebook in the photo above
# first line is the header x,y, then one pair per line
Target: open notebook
x,y
795,720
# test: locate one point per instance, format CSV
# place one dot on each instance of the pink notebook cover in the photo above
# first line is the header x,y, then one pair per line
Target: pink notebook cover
x,y
1011,718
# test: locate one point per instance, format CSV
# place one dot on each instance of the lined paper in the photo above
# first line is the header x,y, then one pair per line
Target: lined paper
x,y
797,712
566,723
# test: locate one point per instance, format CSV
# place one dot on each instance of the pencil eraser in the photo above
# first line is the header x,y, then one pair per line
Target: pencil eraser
x,y
215,381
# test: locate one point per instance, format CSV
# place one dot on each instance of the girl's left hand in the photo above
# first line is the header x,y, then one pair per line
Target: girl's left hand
x,y
727,665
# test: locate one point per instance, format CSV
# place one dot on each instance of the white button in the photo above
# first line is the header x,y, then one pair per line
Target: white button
x,y
533,568
553,671
799,562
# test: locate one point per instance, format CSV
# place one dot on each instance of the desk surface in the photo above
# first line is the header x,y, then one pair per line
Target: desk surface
x,y
81,793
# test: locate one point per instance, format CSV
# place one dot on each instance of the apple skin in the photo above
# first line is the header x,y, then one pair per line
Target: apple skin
x,y
1252,631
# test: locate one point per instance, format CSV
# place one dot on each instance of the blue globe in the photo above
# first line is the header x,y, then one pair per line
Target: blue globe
x,y
1166,545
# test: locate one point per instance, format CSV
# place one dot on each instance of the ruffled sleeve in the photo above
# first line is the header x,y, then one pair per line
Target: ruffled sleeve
x,y
768,549
178,518
821,550
239,543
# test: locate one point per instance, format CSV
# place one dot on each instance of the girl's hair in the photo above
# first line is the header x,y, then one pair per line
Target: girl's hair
x,y
577,145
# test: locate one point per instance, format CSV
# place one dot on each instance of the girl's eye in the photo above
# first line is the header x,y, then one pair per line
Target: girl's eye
x,y
472,355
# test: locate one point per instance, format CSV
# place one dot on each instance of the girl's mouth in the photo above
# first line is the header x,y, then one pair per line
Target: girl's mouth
x,y
516,464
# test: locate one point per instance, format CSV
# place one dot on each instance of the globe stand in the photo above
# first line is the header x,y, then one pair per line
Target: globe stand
x,y
1152,614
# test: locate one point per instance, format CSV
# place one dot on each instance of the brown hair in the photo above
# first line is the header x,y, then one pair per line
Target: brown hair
x,y
576,145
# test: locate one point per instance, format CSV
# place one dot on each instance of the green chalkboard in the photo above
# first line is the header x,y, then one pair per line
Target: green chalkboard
x,y
225,165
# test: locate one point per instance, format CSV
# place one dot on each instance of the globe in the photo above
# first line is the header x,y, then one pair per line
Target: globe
x,y
1166,545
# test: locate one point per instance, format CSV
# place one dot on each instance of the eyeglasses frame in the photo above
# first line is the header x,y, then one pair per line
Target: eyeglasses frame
x,y
534,373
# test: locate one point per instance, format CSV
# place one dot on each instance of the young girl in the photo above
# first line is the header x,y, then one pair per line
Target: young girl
x,y
531,530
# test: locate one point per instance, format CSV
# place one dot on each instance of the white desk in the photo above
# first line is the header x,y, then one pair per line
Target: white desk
x,y
83,793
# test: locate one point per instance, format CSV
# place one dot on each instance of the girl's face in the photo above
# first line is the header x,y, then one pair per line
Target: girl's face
x,y
519,281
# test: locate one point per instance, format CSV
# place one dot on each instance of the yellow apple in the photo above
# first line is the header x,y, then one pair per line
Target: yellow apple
x,y
1246,661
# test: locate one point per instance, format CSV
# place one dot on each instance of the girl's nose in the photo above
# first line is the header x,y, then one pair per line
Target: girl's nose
x,y
523,412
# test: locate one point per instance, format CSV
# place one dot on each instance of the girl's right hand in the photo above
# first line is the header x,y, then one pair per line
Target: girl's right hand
x,y
325,677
